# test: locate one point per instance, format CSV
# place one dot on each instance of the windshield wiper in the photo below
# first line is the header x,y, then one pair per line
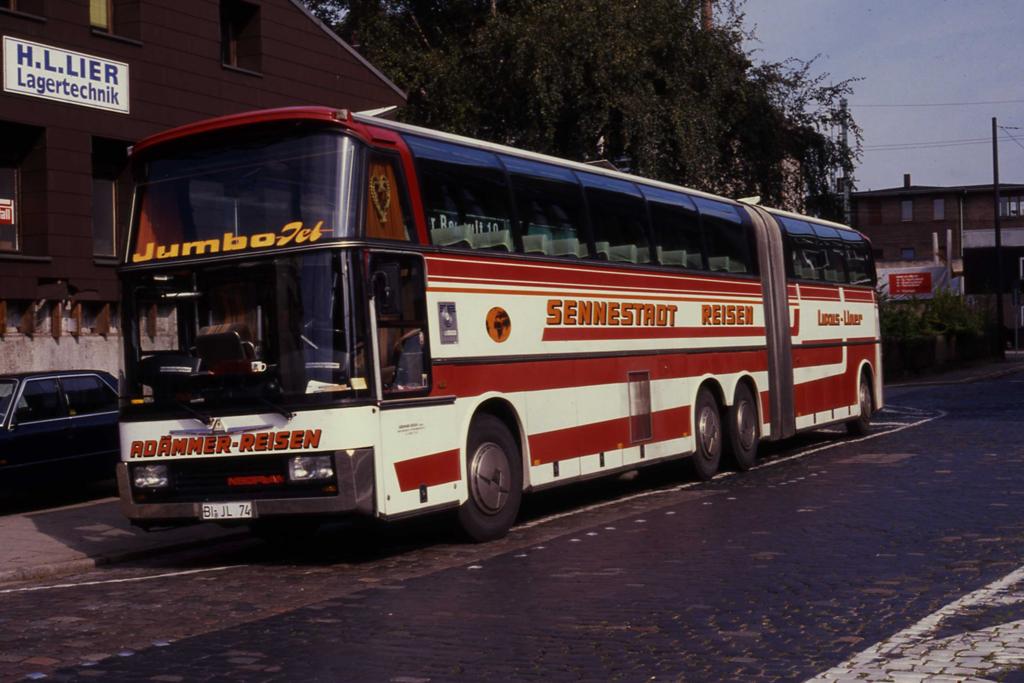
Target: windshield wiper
x,y
202,417
276,407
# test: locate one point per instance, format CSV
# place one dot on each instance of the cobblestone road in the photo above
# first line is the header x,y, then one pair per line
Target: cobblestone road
x,y
895,557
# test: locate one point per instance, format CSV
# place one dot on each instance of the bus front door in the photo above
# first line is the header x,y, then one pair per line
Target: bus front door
x,y
418,462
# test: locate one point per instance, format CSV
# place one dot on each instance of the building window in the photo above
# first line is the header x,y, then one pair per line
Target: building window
x,y
939,209
908,253
109,161
907,210
101,14
9,205
240,34
104,200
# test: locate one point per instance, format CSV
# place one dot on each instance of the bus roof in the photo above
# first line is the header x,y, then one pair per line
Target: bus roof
x,y
534,156
325,114
344,118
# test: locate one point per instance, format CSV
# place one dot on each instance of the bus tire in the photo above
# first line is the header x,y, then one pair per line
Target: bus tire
x,y
859,425
707,421
494,480
742,429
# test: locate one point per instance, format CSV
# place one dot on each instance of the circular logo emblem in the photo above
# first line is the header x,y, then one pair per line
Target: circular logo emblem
x,y
499,325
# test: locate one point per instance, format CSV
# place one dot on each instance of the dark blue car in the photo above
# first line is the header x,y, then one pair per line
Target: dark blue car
x,y
56,425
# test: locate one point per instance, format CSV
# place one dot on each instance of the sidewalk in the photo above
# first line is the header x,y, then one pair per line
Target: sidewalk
x,y
1014,362
77,538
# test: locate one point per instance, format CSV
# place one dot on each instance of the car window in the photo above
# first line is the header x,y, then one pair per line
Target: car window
x,y
88,395
7,387
40,400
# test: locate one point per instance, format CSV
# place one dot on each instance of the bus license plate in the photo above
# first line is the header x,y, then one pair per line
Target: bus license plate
x,y
226,511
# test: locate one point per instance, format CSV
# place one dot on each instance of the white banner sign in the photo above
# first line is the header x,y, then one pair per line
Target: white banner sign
x,y
916,282
54,74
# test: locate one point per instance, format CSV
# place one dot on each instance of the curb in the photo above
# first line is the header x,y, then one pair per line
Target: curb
x,y
84,564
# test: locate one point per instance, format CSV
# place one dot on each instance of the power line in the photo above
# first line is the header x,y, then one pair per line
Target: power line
x,y
936,104
930,144
1007,129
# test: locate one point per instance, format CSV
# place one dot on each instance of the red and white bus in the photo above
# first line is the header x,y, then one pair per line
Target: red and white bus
x,y
329,314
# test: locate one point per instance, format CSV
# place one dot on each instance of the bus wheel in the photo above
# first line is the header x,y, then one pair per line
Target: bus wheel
x,y
494,470
859,425
708,422
742,429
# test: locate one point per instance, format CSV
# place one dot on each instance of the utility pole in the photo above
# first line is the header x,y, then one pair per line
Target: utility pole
x,y
707,20
999,236
847,218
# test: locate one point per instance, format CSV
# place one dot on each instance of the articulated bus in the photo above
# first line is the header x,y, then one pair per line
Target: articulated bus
x,y
329,314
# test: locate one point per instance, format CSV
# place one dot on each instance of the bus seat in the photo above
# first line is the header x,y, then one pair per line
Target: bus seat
x,y
536,244
719,263
568,247
603,249
623,253
492,240
457,235
673,257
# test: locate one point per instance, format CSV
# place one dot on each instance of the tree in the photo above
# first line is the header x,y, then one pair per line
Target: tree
x,y
637,82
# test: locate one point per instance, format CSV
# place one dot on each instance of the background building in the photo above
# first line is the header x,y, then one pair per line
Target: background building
x,y
83,80
904,223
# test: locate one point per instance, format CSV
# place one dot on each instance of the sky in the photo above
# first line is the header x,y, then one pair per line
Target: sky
x,y
913,52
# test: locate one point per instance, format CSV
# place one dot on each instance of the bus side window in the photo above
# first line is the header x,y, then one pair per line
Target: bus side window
x,y
618,219
728,240
465,195
387,208
859,266
549,203
831,244
676,229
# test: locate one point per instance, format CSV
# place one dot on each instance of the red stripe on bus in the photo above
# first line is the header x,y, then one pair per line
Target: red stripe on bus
x,y
810,357
540,375
854,295
606,333
428,470
609,435
569,273
836,391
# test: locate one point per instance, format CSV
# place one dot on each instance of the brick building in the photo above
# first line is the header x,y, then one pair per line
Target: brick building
x,y
901,221
83,80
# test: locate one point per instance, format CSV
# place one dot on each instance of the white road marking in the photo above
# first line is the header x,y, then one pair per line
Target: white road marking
x,y
132,579
916,652
723,475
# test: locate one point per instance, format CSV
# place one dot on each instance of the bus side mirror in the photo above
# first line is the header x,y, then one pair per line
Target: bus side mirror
x,y
386,284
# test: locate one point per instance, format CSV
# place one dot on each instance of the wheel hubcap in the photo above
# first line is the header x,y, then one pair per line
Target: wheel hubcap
x,y
708,427
746,424
489,477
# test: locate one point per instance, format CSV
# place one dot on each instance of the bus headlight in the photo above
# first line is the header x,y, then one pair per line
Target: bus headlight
x,y
150,476
310,468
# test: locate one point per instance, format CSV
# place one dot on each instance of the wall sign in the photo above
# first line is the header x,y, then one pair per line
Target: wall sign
x,y
51,73
6,212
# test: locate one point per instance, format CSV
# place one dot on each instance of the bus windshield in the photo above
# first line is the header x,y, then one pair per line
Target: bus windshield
x,y
251,191
258,334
